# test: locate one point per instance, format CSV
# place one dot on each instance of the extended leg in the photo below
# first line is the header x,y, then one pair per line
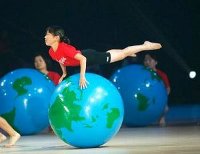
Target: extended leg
x,y
120,54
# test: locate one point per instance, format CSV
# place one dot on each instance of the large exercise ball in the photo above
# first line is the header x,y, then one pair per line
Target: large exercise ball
x,y
24,100
143,93
86,118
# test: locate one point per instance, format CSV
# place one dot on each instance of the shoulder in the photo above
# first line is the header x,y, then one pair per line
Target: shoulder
x,y
65,45
160,72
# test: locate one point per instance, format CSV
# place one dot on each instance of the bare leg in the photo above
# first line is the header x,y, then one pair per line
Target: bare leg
x,y
162,121
14,136
2,137
120,54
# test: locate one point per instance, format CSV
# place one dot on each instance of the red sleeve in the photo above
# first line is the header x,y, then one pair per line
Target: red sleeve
x,y
54,77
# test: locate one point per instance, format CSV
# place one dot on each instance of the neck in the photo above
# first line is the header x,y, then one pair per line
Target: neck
x,y
45,71
55,46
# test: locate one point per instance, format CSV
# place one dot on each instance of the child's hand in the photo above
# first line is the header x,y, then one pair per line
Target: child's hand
x,y
83,83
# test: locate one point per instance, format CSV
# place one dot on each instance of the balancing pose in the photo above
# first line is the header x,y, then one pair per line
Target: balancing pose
x,y
68,55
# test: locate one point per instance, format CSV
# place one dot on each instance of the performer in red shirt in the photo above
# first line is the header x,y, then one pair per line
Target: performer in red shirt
x,y
41,65
67,55
150,61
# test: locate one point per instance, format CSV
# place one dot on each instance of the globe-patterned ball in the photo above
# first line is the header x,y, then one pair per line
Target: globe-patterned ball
x,y
143,93
86,118
24,100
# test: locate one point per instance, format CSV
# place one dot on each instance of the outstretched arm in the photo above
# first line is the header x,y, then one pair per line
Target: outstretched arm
x,y
64,72
82,82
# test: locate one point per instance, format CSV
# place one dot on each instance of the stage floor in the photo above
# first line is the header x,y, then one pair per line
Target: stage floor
x,y
147,140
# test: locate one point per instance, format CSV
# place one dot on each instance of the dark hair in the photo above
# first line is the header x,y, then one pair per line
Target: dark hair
x,y
58,31
51,65
152,55
44,57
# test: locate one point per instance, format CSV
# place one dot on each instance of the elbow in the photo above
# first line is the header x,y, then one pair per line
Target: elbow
x,y
84,59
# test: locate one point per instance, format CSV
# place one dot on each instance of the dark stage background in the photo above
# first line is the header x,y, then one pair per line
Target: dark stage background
x,y
106,24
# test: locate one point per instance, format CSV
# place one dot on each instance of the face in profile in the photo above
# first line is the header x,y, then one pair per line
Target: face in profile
x,y
50,39
39,63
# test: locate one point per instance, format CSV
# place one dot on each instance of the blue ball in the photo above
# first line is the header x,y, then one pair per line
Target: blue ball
x,y
89,117
143,93
24,100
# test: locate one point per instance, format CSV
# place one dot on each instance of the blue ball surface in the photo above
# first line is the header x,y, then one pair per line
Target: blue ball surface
x,y
24,100
143,93
86,118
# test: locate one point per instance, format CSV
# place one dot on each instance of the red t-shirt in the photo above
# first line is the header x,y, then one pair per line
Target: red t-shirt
x,y
164,78
65,54
54,77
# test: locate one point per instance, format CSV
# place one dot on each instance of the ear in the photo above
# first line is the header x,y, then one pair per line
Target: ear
x,y
57,38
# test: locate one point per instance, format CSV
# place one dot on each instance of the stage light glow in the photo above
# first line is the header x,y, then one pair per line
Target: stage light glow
x,y
192,74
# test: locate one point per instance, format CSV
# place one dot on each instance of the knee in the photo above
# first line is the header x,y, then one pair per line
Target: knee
x,y
128,48
123,55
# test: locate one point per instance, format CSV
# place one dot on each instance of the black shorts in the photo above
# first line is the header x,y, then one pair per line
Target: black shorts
x,y
96,58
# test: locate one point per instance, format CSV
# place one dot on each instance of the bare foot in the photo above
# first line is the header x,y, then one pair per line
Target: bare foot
x,y
147,46
13,140
152,46
2,138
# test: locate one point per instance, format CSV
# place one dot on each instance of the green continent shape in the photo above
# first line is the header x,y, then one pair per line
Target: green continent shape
x,y
112,116
105,106
142,101
20,83
64,111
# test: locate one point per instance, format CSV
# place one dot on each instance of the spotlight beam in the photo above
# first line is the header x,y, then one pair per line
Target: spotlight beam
x,y
168,47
